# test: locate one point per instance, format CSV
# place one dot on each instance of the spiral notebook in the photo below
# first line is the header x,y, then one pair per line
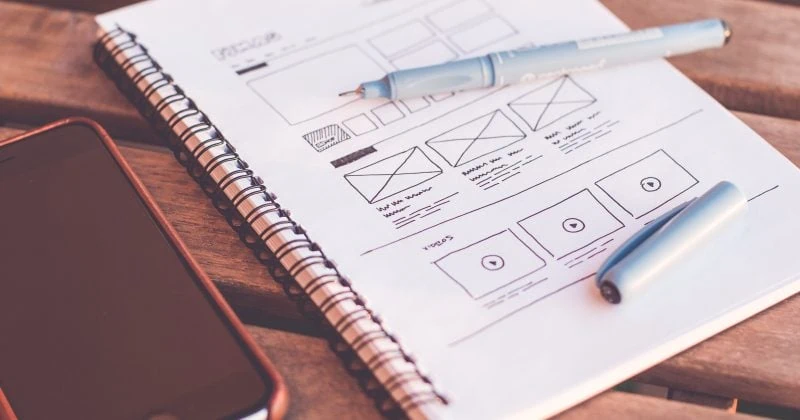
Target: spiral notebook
x,y
448,242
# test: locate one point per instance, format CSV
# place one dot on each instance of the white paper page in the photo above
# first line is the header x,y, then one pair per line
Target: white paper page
x,y
473,223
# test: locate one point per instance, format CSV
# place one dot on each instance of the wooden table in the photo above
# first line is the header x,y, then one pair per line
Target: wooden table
x,y
46,72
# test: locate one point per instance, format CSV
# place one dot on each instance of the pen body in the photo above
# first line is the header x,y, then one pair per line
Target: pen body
x,y
698,224
519,66
528,64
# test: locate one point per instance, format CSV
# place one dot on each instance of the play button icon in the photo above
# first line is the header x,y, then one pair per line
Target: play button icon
x,y
573,225
650,184
493,262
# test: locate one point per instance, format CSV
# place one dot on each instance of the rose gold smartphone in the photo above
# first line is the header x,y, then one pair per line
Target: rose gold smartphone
x,y
103,312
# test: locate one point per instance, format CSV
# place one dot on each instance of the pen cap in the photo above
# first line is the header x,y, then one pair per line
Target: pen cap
x,y
696,226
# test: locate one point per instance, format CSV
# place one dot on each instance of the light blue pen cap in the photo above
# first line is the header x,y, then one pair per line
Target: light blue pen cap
x,y
668,240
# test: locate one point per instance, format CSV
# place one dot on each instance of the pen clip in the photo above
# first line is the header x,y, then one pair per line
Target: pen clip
x,y
634,241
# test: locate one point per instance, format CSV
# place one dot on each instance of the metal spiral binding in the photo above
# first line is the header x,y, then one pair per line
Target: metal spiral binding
x,y
106,53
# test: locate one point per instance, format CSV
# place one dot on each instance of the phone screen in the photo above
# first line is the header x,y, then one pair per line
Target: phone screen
x,y
100,317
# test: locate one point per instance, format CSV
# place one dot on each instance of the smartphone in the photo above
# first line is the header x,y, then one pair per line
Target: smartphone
x,y
103,312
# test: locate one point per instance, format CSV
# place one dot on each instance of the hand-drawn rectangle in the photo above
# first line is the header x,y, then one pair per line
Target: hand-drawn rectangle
x,y
442,96
401,38
456,14
550,102
360,124
476,138
326,137
571,224
415,104
393,175
647,184
314,87
490,264
388,113
431,53
483,34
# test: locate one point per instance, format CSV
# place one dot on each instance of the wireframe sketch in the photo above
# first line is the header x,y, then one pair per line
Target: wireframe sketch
x,y
482,34
551,102
388,113
360,124
647,184
425,55
476,138
571,224
326,137
442,96
314,86
490,264
392,175
458,13
401,38
415,104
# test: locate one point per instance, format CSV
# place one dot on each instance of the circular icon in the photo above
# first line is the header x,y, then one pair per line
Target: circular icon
x,y
650,184
492,262
573,225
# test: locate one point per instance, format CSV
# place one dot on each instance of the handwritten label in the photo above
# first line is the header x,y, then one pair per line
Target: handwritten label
x,y
238,48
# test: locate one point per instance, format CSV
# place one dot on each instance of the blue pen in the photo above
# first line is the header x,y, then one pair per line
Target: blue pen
x,y
525,65
668,239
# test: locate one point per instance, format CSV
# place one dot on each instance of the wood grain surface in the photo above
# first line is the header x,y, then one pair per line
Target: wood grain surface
x,y
47,72
756,72
727,404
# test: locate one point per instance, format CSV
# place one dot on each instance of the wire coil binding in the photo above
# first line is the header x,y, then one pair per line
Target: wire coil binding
x,y
117,52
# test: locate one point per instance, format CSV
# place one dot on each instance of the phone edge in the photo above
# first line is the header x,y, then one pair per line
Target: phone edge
x,y
278,402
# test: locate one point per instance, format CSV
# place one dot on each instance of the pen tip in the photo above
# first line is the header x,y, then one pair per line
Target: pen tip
x,y
358,91
727,31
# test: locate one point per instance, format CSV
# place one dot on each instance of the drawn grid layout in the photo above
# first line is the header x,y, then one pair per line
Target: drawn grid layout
x,y
642,137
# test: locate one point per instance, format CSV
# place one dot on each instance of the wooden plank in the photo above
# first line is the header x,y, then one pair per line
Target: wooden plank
x,y
54,75
724,403
755,72
47,72
320,388
758,360
619,405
